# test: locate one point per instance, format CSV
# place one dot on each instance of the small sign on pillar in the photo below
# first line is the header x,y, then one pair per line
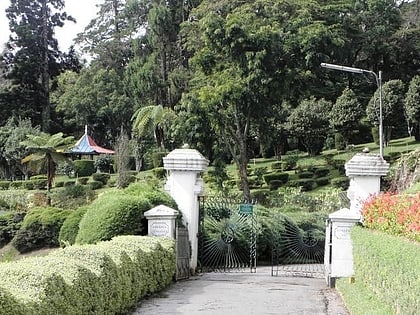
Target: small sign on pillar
x,y
161,221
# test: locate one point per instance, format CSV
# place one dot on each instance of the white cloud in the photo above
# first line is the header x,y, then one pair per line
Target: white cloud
x,y
82,10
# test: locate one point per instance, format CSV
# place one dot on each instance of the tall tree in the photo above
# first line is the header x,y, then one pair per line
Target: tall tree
x,y
310,123
346,114
412,106
33,57
393,93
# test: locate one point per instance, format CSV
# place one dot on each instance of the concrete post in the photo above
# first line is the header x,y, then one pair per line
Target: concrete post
x,y
184,185
161,221
365,171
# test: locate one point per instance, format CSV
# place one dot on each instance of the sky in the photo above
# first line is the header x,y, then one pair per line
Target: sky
x,y
82,10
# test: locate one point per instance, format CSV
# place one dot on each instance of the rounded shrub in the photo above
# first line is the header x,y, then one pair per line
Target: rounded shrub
x,y
322,181
283,177
159,172
40,228
276,166
82,180
341,182
322,172
261,196
306,184
275,184
9,225
70,227
95,184
104,163
110,215
4,184
84,167
306,175
101,177
153,194
28,185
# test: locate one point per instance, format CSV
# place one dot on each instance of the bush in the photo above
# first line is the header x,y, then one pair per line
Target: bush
x,y
341,182
59,183
307,184
322,172
157,159
322,181
275,184
72,196
339,141
289,161
276,166
84,167
107,278
95,184
101,177
17,184
82,180
305,175
159,172
9,225
110,215
104,163
283,177
69,183
40,228
393,214
261,196
28,185
4,184
70,227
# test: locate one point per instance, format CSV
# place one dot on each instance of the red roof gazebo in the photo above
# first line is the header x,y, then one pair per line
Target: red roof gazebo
x,y
87,146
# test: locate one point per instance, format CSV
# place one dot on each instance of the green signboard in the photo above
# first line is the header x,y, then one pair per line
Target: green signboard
x,y
246,208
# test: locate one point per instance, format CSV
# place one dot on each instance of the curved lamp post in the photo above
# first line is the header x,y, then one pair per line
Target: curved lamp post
x,y
378,78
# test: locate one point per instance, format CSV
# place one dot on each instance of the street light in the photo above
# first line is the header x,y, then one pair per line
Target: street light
x,y
378,79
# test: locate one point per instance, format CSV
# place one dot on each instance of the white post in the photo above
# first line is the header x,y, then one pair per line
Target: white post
x,y
365,171
185,185
161,221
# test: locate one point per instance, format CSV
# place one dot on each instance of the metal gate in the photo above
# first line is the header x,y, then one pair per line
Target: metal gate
x,y
296,251
183,253
227,235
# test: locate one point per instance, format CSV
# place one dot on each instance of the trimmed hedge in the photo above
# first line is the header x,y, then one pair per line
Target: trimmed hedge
x,y
322,172
70,227
341,182
112,214
4,184
389,268
107,278
307,184
9,225
284,177
305,174
82,180
40,228
96,184
120,213
101,177
84,168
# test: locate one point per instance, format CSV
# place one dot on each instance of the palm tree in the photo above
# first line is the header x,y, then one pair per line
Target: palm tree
x,y
46,152
153,118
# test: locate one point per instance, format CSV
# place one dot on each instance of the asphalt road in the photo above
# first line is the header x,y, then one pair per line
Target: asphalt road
x,y
244,293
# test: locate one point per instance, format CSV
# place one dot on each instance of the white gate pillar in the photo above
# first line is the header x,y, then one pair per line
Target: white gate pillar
x,y
365,171
185,185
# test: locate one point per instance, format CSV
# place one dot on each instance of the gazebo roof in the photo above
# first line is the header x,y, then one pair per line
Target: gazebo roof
x,y
86,145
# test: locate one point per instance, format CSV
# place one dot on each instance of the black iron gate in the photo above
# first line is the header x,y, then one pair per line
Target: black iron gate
x,y
296,251
227,235
183,253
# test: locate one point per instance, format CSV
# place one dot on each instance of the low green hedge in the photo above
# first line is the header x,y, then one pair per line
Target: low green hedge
x,y
84,168
284,177
70,227
4,184
40,228
389,268
107,278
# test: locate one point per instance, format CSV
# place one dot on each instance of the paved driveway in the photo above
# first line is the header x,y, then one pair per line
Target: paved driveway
x,y
243,294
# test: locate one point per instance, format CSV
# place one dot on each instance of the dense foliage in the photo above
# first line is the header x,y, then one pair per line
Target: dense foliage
x,y
106,278
394,214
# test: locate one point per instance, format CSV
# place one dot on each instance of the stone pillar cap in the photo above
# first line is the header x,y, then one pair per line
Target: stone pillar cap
x,y
366,164
161,211
185,160
344,214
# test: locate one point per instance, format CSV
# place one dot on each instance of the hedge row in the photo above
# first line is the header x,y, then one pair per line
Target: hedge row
x,y
389,268
36,183
108,278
